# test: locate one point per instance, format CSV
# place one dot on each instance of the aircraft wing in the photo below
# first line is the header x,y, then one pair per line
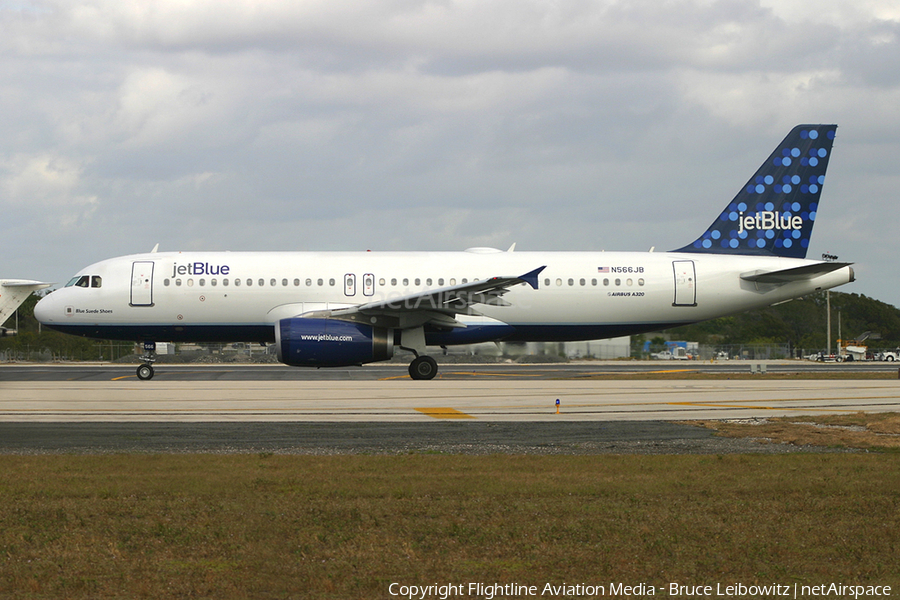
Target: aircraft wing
x,y
13,293
438,306
796,274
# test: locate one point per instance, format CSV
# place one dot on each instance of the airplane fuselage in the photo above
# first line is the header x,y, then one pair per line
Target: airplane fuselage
x,y
205,297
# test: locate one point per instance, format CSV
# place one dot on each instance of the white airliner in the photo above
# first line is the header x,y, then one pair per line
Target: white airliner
x,y
13,292
329,309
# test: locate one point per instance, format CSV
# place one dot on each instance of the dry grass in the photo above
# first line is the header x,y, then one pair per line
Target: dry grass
x,y
869,431
272,526
687,373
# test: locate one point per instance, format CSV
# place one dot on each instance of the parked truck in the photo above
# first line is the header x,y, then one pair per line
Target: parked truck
x,y
855,349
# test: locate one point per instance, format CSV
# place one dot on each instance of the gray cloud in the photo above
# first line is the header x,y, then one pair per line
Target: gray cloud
x,y
431,125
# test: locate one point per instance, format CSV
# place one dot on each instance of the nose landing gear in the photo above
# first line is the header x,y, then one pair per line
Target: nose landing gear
x,y
145,371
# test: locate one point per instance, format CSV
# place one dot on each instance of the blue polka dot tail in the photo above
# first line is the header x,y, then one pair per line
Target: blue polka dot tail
x,y
774,213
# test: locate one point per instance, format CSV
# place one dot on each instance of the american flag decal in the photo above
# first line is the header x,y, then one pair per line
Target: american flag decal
x,y
603,269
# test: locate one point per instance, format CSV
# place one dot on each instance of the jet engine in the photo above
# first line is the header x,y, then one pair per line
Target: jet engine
x,y
305,342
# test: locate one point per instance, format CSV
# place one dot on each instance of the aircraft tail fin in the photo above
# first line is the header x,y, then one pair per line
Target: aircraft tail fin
x,y
13,293
774,213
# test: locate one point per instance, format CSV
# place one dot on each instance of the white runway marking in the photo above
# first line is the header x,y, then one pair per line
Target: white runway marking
x,y
415,401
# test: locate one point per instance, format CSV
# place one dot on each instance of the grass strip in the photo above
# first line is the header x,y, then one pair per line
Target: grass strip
x,y
274,526
737,375
864,431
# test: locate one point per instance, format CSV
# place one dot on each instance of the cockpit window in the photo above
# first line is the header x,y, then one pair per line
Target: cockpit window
x,y
86,281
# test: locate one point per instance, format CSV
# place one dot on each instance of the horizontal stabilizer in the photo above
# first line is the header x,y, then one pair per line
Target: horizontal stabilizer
x,y
796,274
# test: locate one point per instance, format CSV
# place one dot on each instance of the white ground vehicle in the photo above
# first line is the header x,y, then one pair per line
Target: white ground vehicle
x,y
677,353
851,353
888,355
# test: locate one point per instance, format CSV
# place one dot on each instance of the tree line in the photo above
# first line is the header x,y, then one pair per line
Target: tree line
x,y
802,323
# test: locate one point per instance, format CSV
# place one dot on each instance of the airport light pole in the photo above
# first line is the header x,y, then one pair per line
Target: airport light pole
x,y
829,258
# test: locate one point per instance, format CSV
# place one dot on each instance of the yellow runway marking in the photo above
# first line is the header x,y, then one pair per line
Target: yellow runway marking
x,y
469,374
444,413
722,405
489,374
755,407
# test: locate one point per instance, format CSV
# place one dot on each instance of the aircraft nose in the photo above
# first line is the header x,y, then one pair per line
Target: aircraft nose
x,y
43,310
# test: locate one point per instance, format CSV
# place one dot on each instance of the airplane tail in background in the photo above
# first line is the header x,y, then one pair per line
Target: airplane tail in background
x,y
13,293
774,213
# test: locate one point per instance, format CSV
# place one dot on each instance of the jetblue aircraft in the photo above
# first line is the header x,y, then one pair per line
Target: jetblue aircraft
x,y
330,309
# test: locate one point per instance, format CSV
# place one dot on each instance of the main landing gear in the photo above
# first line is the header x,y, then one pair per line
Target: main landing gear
x,y
145,371
423,367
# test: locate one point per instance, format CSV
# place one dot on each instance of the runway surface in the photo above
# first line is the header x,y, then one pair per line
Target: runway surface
x,y
485,409
417,401
488,371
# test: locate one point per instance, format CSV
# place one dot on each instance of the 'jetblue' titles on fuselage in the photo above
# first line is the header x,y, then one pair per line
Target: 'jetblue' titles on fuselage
x,y
200,268
768,220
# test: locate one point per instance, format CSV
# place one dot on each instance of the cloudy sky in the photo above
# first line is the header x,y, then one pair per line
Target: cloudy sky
x,y
433,125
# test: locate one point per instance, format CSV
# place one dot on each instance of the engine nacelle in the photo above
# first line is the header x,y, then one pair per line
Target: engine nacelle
x,y
303,342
